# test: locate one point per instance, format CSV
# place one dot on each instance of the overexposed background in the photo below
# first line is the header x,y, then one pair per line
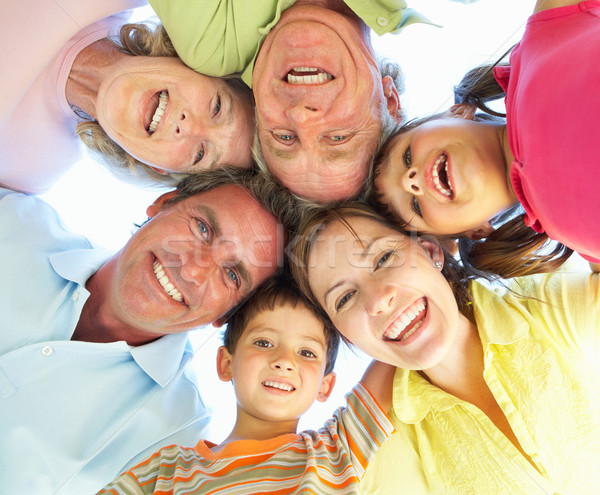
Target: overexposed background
x,y
434,59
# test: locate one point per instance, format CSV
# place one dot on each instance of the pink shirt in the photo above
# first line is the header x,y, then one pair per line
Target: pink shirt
x,y
39,41
553,117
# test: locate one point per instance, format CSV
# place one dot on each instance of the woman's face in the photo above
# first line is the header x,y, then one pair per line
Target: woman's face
x,y
384,293
172,118
447,176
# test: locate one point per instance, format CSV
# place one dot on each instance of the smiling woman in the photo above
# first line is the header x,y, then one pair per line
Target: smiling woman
x,y
484,388
139,108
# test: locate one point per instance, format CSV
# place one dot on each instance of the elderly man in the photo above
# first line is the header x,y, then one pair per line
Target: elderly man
x,y
93,351
322,103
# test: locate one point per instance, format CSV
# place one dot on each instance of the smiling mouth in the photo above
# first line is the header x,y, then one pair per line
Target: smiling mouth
x,y
279,386
441,180
408,322
308,75
167,286
159,101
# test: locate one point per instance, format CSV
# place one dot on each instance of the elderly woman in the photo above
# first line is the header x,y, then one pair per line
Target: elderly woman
x,y
495,392
138,106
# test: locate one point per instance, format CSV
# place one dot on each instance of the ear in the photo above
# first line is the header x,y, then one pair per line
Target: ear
x,y
463,110
434,251
160,171
159,202
224,364
480,232
390,92
326,387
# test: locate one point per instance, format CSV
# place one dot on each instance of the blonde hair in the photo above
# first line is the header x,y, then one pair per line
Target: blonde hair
x,y
143,40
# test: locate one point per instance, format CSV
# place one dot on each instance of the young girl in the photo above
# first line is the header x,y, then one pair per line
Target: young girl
x,y
498,394
451,174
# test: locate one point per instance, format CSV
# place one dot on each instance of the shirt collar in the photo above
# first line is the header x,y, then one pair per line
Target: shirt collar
x,y
161,359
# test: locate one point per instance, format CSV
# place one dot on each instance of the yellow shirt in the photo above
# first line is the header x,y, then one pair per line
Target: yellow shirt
x,y
542,363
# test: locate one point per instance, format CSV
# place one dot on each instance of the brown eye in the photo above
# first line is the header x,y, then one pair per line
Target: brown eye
x,y
407,158
414,206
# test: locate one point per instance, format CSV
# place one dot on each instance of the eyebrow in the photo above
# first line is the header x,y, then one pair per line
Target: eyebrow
x,y
366,249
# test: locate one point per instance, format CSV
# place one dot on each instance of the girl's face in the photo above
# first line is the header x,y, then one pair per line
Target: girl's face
x,y
384,293
448,175
172,118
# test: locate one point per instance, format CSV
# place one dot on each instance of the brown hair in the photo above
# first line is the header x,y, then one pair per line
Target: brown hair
x,y
458,278
144,40
276,292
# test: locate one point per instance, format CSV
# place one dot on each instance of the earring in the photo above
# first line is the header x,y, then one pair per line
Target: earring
x,y
439,265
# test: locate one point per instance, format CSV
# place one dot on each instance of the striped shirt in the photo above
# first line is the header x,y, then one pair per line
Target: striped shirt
x,y
319,462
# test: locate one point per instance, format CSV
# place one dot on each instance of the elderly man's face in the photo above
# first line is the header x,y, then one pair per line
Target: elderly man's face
x,y
194,260
318,93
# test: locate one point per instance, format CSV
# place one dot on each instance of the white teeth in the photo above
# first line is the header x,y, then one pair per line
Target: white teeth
x,y
163,99
318,76
168,287
405,319
278,385
436,177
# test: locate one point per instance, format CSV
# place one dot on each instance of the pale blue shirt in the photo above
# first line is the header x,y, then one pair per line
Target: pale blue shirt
x,y
73,415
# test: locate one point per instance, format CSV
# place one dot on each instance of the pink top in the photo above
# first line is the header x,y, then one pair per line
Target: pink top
x,y
553,114
39,41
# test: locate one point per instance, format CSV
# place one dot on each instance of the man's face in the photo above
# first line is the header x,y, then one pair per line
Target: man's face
x,y
318,94
194,260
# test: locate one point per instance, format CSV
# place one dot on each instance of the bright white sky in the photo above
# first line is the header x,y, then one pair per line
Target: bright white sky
x,y
434,59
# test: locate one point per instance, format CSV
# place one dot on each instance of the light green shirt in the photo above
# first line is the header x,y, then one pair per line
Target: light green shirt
x,y
221,37
542,365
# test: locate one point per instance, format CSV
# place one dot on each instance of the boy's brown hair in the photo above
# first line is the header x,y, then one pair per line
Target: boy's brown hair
x,y
278,291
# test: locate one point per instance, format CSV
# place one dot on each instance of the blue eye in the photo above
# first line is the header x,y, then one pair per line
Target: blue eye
x,y
284,138
232,276
382,261
217,108
339,138
199,156
345,298
414,206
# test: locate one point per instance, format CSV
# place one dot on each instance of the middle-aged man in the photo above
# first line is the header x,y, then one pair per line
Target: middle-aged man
x,y
93,349
322,103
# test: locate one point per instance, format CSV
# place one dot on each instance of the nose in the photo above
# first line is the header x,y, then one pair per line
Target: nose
x,y
379,298
283,361
301,112
186,125
197,266
411,182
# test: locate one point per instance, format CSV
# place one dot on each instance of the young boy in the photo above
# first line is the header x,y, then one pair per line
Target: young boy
x,y
279,353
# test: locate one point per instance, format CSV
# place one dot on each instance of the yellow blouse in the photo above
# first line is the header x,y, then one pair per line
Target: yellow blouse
x,y
542,363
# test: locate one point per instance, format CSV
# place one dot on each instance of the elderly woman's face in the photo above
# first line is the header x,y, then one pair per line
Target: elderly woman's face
x,y
384,293
172,118
318,92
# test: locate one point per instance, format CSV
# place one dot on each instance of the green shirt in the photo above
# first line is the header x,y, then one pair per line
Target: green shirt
x,y
221,37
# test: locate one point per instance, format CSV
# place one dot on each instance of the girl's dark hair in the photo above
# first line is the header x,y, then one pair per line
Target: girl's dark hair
x,y
513,249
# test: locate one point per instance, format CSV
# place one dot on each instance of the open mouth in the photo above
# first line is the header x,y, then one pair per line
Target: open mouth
x,y
156,110
167,286
408,322
441,180
286,387
308,75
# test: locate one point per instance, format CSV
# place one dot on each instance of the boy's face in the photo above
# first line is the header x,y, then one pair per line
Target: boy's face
x,y
278,365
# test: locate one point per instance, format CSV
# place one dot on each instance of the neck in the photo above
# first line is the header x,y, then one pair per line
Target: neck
x,y
460,373
88,71
249,427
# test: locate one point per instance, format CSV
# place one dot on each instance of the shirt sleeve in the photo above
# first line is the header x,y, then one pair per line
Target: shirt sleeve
x,y
218,37
362,427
